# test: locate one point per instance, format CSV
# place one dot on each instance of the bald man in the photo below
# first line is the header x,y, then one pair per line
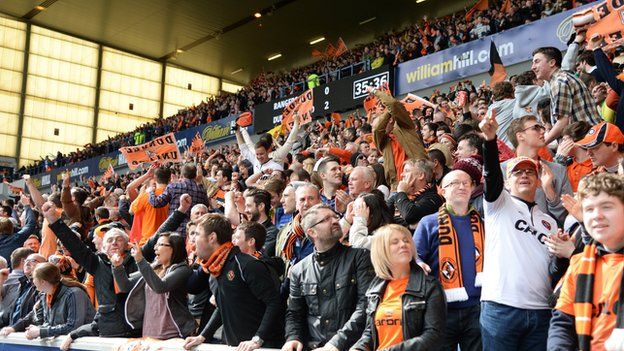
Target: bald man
x,y
458,262
361,180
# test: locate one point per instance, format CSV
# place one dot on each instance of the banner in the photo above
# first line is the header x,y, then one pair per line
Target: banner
x,y
605,18
303,105
162,149
514,46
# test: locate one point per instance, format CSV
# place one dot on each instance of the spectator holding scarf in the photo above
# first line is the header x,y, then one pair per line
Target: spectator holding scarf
x,y
588,315
450,245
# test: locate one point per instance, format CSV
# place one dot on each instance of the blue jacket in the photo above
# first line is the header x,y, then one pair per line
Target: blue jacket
x,y
10,241
427,244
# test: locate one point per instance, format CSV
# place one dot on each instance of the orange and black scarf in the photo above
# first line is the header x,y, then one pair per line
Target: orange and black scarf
x,y
215,263
295,233
449,254
584,296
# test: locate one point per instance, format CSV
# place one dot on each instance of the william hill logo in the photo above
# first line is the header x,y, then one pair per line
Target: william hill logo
x,y
105,161
215,132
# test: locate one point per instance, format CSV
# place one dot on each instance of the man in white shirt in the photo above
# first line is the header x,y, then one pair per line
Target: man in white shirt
x,y
515,313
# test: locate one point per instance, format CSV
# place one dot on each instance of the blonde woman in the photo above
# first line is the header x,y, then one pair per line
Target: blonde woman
x,y
406,308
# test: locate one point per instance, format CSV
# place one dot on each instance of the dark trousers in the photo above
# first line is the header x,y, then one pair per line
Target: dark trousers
x,y
463,329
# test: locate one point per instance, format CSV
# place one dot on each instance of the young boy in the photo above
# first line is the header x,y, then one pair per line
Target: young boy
x,y
588,312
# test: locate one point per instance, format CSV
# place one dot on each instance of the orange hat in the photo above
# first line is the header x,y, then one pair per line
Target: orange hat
x,y
601,133
514,163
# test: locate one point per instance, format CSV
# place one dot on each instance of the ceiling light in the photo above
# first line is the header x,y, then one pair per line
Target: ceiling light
x,y
257,15
317,40
179,51
276,56
236,71
39,7
419,1
367,21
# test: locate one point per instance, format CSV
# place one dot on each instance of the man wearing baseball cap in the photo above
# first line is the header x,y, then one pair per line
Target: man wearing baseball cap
x,y
515,313
604,143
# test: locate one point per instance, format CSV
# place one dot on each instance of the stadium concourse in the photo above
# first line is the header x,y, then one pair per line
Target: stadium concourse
x,y
368,191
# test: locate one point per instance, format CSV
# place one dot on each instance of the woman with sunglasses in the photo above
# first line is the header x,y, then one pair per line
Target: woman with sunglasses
x,y
157,292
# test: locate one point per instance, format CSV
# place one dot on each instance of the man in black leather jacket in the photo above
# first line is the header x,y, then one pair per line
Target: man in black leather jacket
x,y
327,303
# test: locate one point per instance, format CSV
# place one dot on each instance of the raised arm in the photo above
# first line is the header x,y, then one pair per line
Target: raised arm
x,y
491,167
80,252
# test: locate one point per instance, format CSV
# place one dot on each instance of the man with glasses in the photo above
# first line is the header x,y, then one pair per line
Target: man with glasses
x,y
527,136
327,302
450,246
515,312
28,294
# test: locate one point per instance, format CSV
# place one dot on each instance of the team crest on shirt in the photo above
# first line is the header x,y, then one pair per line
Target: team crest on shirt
x,y
230,275
546,224
447,270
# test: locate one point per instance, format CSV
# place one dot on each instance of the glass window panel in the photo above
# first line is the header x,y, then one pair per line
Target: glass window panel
x,y
171,109
70,134
230,87
120,103
184,97
130,65
63,47
9,102
60,91
118,122
62,70
119,83
8,121
58,111
8,145
11,59
199,82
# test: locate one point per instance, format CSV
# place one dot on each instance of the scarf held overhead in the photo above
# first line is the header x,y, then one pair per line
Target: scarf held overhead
x,y
296,233
449,256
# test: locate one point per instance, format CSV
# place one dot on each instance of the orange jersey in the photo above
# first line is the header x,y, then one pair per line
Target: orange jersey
x,y
609,269
389,314
576,172
151,218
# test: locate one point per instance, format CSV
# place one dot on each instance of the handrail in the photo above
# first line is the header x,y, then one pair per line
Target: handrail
x,y
337,74
19,342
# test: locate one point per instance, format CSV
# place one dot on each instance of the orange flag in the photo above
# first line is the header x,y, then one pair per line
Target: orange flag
x,y
330,51
317,53
163,149
197,145
412,102
341,47
303,105
506,6
481,5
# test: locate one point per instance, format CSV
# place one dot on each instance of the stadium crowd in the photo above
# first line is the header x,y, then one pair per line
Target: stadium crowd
x,y
488,219
419,39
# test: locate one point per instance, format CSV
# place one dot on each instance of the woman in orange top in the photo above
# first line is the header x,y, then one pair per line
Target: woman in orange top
x,y
406,308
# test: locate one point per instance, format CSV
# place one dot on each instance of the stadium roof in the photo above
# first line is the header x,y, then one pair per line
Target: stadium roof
x,y
219,37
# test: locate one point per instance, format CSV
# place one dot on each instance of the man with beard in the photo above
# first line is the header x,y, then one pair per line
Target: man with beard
x,y
327,302
247,294
257,207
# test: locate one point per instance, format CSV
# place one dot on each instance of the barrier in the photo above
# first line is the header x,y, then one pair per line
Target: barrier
x,y
18,342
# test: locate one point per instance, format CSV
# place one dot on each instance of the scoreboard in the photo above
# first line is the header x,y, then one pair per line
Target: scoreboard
x,y
337,96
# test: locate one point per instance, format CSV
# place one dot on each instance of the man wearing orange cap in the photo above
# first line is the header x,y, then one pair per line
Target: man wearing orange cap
x,y
515,289
604,143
